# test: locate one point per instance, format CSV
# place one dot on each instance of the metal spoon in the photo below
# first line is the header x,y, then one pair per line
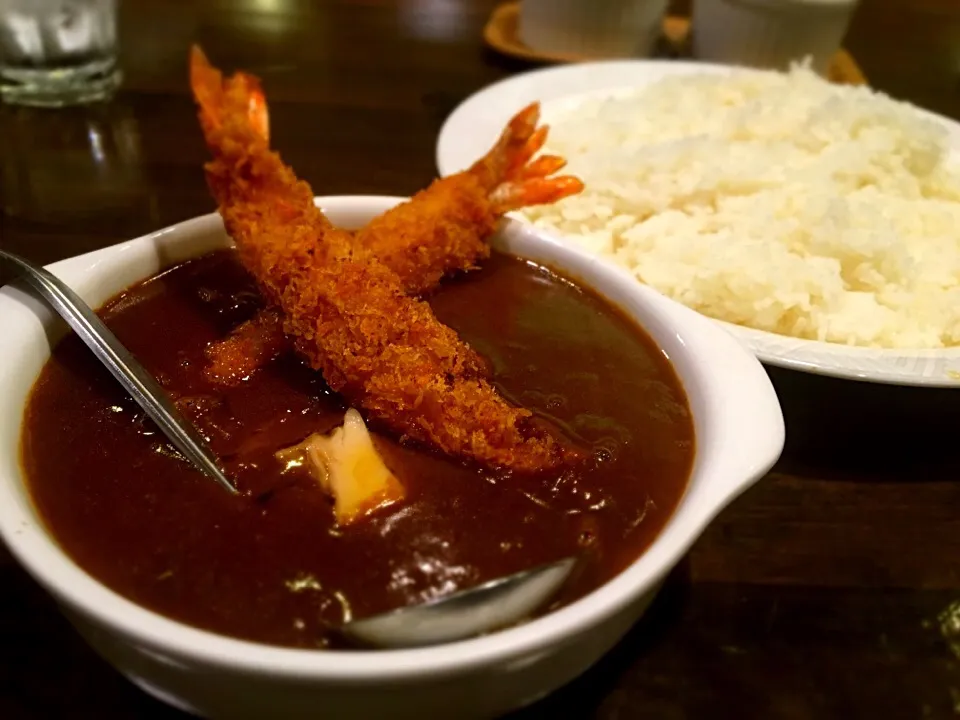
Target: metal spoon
x,y
141,385
490,606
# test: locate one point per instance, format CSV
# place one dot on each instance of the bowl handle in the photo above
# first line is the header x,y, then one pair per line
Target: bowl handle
x,y
744,433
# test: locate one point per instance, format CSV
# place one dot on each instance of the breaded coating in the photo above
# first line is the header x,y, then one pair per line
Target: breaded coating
x,y
383,350
250,346
441,230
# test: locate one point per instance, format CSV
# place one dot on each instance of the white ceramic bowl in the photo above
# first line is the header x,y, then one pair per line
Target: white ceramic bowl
x,y
739,434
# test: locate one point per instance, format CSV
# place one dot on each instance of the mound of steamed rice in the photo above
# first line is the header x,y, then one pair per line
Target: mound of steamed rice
x,y
777,201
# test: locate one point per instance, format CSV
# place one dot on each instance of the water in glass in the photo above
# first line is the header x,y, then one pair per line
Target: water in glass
x,y
58,52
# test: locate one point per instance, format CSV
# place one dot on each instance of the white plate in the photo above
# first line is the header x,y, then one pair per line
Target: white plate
x,y
472,128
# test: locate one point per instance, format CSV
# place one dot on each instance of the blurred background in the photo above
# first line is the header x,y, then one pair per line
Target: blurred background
x,y
346,77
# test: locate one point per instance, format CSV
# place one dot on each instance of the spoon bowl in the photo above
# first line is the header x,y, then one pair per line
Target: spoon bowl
x,y
474,611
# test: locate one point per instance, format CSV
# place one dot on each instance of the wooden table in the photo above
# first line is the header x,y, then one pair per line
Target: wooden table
x,y
823,592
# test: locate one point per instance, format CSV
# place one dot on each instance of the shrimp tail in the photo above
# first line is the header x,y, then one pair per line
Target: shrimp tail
x,y
510,174
208,88
493,167
512,195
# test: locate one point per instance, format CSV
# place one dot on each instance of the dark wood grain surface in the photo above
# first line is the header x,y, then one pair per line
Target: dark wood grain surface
x,y
824,592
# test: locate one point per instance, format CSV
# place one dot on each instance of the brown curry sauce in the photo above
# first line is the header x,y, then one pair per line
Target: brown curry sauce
x,y
270,565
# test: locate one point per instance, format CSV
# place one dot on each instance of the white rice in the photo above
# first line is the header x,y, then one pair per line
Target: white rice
x,y
778,201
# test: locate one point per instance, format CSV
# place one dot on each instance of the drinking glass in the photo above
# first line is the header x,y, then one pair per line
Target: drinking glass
x,y
58,52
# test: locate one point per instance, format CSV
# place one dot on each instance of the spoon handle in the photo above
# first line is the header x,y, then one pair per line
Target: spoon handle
x,y
141,385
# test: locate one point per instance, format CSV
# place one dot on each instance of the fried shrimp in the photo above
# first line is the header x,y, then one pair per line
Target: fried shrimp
x,y
445,228
441,230
382,349
250,346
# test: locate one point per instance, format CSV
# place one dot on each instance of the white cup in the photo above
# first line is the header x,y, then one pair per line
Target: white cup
x,y
592,28
770,33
